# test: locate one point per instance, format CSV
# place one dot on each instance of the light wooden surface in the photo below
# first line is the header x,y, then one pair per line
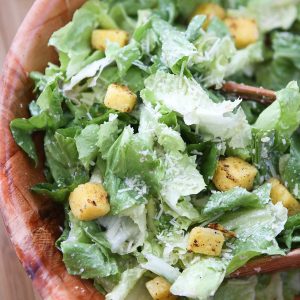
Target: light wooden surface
x,y
14,283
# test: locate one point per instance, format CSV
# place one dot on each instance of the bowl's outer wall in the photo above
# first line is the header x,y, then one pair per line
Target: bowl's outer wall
x,y
32,222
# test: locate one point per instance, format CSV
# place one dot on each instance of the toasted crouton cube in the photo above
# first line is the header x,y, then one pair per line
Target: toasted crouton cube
x,y
159,289
279,193
210,10
120,98
100,38
206,241
89,201
243,30
232,172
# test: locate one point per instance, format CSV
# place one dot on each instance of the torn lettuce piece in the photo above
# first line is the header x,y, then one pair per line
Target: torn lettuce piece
x,y
62,158
291,233
47,113
96,67
256,230
286,45
186,97
193,31
290,172
276,74
176,48
244,59
212,59
74,39
108,133
86,144
181,179
237,288
126,231
200,280
159,267
86,251
125,56
283,115
221,202
96,138
129,279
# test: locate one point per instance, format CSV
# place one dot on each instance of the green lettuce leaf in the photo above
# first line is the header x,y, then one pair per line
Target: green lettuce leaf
x,y
126,231
256,229
282,115
48,114
159,267
286,45
86,144
200,280
73,40
291,170
174,44
53,191
129,279
244,59
62,158
291,231
221,202
124,56
237,288
86,251
269,287
187,98
212,59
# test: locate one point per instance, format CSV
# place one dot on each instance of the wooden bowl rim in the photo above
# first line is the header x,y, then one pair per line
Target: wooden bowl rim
x,y
50,284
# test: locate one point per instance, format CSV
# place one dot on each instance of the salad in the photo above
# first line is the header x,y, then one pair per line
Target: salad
x,y
168,183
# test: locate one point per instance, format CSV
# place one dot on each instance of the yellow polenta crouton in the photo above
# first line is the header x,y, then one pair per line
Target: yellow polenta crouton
x,y
206,241
89,201
100,38
159,289
232,172
243,30
279,193
120,98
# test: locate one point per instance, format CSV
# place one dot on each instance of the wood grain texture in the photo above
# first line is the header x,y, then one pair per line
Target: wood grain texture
x,y
15,283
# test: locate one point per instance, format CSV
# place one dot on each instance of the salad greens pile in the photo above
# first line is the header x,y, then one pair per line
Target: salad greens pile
x,y
157,162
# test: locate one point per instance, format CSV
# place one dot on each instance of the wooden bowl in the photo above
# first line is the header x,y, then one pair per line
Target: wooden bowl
x,y
34,223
